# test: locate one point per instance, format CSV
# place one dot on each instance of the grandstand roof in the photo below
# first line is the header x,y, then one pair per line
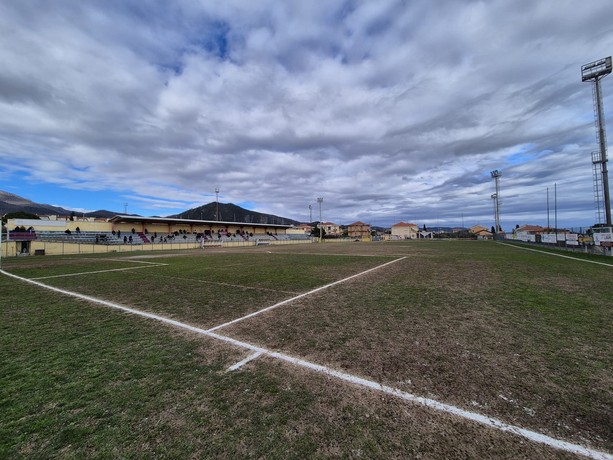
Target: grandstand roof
x,y
174,220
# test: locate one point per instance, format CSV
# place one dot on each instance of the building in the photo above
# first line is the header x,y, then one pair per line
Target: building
x,y
332,229
359,230
528,232
481,232
405,231
301,229
135,233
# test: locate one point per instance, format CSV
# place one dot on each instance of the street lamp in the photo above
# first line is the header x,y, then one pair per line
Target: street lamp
x,y
320,200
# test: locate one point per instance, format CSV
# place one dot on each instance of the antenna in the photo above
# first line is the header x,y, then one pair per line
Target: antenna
x,y
594,72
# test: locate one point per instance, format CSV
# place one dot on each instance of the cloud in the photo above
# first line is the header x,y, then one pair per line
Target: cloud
x,y
387,109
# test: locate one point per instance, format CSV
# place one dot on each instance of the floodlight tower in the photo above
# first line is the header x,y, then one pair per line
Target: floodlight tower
x,y
496,196
310,214
594,72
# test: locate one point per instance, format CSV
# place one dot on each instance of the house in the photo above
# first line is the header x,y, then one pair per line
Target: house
x,y
528,232
301,229
359,230
331,229
404,230
481,232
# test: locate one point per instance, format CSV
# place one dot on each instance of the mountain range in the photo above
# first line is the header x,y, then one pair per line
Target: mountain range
x,y
11,203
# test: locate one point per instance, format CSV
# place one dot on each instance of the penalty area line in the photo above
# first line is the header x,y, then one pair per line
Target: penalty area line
x,y
313,291
245,361
353,379
99,271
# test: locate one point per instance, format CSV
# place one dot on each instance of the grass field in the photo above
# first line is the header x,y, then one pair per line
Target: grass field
x,y
518,336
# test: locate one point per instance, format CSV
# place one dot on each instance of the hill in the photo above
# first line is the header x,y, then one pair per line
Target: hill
x,y
10,202
229,212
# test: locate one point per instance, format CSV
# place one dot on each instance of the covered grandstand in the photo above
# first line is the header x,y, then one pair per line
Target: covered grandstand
x,y
128,233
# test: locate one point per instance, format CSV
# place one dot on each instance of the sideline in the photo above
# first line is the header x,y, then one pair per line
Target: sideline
x,y
321,288
355,380
557,255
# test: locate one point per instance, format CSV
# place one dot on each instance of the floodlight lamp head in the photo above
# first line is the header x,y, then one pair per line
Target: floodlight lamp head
x,y
495,173
597,69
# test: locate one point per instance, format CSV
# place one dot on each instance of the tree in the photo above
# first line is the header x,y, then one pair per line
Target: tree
x,y
19,215
315,231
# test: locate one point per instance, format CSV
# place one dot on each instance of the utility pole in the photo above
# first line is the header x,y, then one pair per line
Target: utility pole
x,y
320,200
217,204
548,226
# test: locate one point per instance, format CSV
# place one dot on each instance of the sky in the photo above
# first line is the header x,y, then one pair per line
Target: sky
x,y
389,110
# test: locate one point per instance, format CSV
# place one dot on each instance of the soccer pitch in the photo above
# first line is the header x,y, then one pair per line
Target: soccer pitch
x,y
401,349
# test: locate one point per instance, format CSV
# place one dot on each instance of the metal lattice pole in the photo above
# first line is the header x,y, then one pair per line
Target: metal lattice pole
x,y
594,72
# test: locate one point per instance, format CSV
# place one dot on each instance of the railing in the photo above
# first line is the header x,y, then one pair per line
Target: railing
x,y
21,236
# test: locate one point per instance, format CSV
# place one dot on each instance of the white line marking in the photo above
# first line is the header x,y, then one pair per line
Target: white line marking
x,y
321,288
447,408
330,254
98,271
557,255
244,361
217,283
128,259
431,403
